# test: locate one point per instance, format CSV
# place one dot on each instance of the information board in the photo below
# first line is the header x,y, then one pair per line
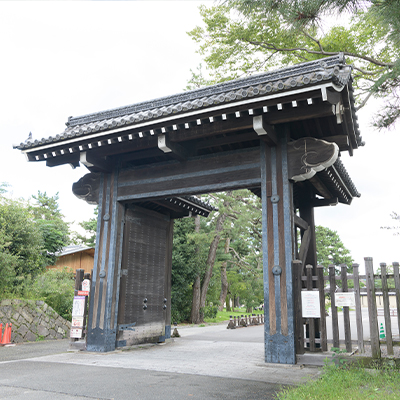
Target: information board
x,y
76,333
78,308
310,304
345,299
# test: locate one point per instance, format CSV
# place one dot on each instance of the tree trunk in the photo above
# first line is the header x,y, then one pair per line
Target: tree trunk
x,y
224,279
228,303
211,260
195,314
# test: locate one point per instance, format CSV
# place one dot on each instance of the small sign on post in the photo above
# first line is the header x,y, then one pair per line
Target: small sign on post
x,y
310,304
86,285
78,312
345,299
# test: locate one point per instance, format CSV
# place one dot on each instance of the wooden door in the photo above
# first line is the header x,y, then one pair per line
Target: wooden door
x,y
142,299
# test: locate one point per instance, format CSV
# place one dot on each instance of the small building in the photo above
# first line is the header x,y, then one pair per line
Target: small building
x,y
74,257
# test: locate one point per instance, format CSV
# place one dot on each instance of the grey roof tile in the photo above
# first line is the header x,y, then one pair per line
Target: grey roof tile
x,y
332,69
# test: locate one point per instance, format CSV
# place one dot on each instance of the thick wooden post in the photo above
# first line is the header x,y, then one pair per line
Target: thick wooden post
x,y
311,321
321,290
102,325
297,286
346,309
397,288
372,311
335,323
386,310
167,281
360,329
278,232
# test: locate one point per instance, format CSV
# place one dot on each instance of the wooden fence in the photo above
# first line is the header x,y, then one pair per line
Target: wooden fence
x,y
316,332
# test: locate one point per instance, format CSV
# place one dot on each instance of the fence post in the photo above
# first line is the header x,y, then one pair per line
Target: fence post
x,y
372,312
346,309
79,274
386,310
320,275
297,286
311,321
360,329
397,288
332,289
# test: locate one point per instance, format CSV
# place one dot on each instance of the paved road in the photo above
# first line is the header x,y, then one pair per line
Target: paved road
x,y
205,363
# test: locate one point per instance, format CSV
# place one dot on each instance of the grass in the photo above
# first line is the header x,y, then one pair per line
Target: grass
x,y
348,383
224,315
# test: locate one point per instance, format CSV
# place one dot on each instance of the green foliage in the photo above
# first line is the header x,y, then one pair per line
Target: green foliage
x,y
331,250
390,281
347,383
30,235
188,259
49,220
21,244
56,288
90,226
241,37
210,311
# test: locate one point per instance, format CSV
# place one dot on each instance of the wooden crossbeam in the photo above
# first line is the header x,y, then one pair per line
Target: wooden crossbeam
x,y
299,222
264,130
167,146
305,244
91,161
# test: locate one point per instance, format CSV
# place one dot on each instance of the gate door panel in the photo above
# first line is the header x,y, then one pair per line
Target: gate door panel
x,y
142,306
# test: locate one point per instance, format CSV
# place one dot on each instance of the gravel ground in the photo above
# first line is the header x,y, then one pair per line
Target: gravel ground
x,y
384,353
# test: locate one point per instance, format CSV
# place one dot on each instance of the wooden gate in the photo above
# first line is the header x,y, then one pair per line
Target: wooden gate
x,y
144,307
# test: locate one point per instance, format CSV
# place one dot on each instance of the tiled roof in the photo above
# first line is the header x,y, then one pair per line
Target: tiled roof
x,y
72,249
331,69
344,175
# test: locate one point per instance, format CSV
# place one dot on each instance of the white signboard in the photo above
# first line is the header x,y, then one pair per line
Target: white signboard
x,y
86,285
77,322
78,308
345,299
76,333
310,304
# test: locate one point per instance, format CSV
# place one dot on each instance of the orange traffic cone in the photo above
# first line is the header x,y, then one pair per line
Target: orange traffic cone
x,y
5,340
9,333
1,331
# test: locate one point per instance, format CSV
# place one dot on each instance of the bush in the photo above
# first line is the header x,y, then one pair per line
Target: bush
x,y
211,311
56,288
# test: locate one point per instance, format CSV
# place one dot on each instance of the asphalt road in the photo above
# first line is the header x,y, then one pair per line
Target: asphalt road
x,y
205,363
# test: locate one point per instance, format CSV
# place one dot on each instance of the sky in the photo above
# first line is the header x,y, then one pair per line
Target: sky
x,y
61,59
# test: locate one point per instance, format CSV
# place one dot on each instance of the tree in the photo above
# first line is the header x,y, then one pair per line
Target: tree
x,y
331,250
242,37
21,245
90,226
187,264
49,220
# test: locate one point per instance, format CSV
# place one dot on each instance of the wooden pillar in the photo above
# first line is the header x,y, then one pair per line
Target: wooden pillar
x,y
168,277
102,324
278,231
307,214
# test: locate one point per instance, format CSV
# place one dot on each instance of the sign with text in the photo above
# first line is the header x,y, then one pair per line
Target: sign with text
x,y
77,322
78,308
76,333
86,285
345,299
83,293
310,304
